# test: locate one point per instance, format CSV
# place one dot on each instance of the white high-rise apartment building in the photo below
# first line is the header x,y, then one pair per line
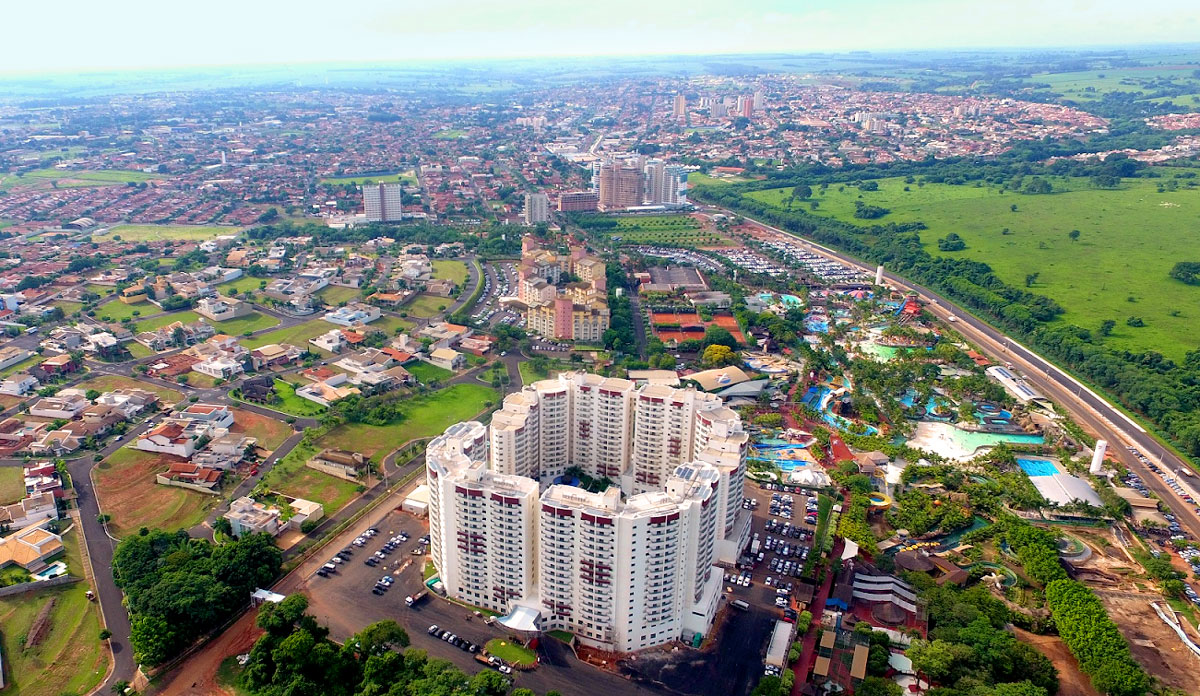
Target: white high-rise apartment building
x,y
537,208
624,569
383,202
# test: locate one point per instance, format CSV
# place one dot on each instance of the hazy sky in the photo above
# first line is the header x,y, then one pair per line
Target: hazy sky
x,y
82,34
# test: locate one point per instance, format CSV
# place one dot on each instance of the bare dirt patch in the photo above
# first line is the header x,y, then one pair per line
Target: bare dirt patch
x,y
1153,644
197,676
269,432
1071,682
126,488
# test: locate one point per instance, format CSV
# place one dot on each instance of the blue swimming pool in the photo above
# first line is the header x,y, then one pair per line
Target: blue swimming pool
x,y
1037,467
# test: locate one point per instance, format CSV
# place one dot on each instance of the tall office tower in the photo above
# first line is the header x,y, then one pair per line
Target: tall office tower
x,y
537,208
486,548
652,180
760,100
680,108
383,202
620,186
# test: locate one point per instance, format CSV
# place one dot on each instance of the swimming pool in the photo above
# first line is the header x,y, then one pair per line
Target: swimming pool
x,y
1037,467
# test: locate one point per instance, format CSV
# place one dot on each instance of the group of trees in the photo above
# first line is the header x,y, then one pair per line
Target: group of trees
x,y
295,657
177,588
1095,640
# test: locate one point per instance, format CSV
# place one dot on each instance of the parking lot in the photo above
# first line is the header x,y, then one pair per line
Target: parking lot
x,y
783,546
499,280
344,601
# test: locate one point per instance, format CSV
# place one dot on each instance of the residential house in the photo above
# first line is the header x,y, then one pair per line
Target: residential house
x,y
172,437
341,463
443,334
130,401
193,475
61,406
42,477
327,391
217,415
18,384
274,355
220,367
248,516
223,308
30,547
59,365
260,388
353,314
332,341
304,511
32,510
446,358
11,355
224,452
55,443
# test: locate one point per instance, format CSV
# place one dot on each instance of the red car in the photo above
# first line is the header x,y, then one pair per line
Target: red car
x,y
254,471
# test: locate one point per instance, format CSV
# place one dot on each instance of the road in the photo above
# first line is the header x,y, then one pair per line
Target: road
x,y
1091,410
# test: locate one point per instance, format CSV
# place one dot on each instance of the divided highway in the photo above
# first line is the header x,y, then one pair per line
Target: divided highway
x,y
1090,409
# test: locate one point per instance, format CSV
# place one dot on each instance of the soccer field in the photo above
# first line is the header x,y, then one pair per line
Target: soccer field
x,y
1129,238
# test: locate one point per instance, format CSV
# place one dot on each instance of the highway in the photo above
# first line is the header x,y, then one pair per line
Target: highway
x,y
1092,411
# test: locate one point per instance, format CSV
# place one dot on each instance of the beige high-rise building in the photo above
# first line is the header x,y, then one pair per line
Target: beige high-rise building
x,y
620,185
537,208
680,108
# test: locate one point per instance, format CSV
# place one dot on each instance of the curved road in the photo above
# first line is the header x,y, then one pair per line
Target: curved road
x,y
1089,408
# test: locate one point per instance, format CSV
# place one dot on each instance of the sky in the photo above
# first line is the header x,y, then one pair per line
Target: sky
x,y
83,35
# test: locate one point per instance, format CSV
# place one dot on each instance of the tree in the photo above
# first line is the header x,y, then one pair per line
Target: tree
x,y
1030,279
1186,272
803,192
1021,688
937,659
1107,326
718,355
1074,235
878,686
92,394
718,335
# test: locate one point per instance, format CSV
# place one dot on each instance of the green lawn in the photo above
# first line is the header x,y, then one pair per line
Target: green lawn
x,y
68,308
137,350
23,365
450,134
406,177
426,373
449,269
297,335
290,403
240,285
105,383
290,476
510,652
68,178
70,659
255,321
334,294
388,324
680,230
426,306
153,233
529,375
117,310
186,316
1133,228
12,485
425,415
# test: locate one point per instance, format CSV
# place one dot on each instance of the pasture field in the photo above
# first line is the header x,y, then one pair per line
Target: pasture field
x,y
70,658
1090,85
450,134
405,177
254,321
675,230
12,485
335,294
126,489
117,310
1130,237
297,335
70,178
186,316
425,306
449,269
157,233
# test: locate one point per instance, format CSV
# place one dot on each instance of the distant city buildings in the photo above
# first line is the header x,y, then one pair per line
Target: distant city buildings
x,y
537,208
620,185
679,109
578,201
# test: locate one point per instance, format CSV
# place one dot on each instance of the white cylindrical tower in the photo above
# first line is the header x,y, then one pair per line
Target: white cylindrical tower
x,y
1098,458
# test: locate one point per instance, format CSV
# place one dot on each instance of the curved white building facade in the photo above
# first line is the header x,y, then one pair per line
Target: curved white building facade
x,y
624,569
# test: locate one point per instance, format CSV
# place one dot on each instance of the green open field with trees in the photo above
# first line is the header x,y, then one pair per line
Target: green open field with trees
x,y
297,335
670,230
155,233
405,177
1117,268
449,269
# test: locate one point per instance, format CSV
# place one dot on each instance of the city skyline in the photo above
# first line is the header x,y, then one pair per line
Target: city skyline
x,y
145,37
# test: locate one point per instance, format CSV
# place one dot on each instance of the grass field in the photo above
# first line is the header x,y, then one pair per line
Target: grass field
x,y
12,485
529,375
681,230
23,365
187,316
334,294
450,134
68,308
117,310
388,324
137,350
424,416
426,373
105,383
126,490
425,306
406,177
698,179
67,178
449,269
254,321
510,652
1129,239
154,233
70,659
199,381
291,477
240,285
269,432
297,335
1090,85
290,403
